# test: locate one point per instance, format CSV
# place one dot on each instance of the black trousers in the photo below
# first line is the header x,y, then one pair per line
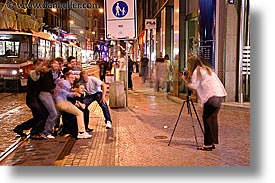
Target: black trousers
x,y
210,120
70,122
40,114
130,82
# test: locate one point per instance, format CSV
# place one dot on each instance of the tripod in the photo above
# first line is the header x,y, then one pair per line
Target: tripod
x,y
188,102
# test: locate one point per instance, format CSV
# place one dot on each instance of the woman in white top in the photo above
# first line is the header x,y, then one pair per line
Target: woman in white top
x,y
211,93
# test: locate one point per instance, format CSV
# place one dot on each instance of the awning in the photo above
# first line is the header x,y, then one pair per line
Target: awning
x,y
14,32
44,35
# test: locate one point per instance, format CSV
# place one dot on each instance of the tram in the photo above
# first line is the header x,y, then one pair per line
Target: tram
x,y
19,49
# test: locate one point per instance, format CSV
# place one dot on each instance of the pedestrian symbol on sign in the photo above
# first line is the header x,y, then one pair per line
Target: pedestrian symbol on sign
x,y
120,9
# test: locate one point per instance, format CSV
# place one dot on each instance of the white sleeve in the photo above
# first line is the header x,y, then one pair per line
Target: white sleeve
x,y
195,82
96,80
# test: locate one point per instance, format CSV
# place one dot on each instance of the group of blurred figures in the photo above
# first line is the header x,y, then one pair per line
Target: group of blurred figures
x,y
58,90
163,70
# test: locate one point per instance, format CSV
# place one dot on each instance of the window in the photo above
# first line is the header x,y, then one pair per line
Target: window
x,y
9,48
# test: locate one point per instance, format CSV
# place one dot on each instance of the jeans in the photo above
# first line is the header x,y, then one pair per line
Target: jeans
x,y
97,96
47,99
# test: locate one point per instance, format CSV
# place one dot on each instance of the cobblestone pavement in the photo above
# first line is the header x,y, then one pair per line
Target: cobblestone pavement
x,y
13,111
140,137
141,133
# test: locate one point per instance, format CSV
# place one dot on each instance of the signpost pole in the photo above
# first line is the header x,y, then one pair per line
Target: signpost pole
x,y
115,60
126,79
121,24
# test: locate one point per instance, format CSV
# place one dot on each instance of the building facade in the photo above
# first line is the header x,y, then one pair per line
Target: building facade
x,y
216,30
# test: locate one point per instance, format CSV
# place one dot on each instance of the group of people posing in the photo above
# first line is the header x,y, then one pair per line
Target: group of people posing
x,y
56,90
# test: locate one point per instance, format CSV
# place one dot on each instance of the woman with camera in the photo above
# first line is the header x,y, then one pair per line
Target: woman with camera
x,y
211,93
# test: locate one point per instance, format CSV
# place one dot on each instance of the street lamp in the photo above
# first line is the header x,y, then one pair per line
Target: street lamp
x,y
101,10
71,22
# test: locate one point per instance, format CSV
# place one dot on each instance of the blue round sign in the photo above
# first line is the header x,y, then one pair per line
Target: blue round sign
x,y
120,9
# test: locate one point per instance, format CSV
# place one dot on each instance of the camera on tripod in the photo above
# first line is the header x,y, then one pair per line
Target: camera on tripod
x,y
185,73
189,103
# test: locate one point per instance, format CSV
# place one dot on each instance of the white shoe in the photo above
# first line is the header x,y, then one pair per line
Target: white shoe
x,y
108,125
50,137
84,135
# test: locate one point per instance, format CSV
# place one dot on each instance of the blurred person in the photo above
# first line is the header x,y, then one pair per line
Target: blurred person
x,y
130,71
144,68
211,93
72,65
158,71
122,69
94,92
39,112
49,77
168,77
64,91
60,61
102,70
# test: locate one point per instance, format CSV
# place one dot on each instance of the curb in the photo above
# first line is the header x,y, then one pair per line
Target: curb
x,y
225,105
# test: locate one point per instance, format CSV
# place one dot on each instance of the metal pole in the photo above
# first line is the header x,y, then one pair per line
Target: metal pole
x,y
240,98
150,52
126,79
115,60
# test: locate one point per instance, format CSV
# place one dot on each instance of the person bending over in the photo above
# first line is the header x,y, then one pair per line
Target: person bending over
x,y
94,92
211,93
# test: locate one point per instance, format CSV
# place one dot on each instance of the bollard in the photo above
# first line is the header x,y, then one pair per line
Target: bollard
x,y
109,78
116,95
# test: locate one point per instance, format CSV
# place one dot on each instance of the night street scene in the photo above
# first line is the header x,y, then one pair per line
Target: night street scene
x,y
125,83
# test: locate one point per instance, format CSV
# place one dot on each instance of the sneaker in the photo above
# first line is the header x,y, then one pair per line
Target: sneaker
x,y
108,125
20,132
50,137
43,136
84,135
47,136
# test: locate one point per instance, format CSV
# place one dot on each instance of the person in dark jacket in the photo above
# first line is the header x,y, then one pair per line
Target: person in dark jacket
x,y
130,71
102,70
39,112
144,67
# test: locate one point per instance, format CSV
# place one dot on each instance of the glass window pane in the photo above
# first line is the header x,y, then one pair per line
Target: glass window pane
x,y
2,48
9,48
16,51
